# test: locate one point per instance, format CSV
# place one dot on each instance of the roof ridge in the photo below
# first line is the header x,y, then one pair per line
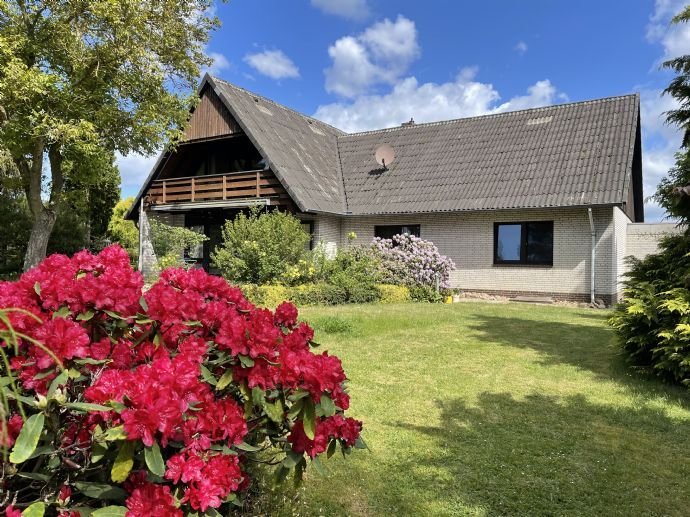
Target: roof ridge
x,y
490,115
271,101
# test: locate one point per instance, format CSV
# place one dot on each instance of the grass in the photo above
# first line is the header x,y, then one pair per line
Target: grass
x,y
497,409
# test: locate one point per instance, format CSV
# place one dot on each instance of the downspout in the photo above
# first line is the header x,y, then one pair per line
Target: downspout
x,y
141,242
593,234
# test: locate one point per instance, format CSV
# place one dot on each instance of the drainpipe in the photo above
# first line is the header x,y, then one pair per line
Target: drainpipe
x,y
140,266
594,256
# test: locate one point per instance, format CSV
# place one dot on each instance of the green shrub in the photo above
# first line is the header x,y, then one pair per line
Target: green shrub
x,y
425,293
262,248
389,293
653,321
171,242
319,294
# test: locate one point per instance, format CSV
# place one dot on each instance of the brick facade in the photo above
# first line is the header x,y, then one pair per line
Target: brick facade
x,y
467,238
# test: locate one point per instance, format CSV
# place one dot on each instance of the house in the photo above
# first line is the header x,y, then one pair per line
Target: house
x,y
532,202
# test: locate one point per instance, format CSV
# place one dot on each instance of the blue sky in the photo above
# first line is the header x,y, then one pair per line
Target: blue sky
x,y
365,64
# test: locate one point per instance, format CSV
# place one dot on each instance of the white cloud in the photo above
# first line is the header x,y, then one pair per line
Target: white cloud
x,y
521,47
351,9
273,63
134,168
674,38
428,102
380,54
220,63
661,141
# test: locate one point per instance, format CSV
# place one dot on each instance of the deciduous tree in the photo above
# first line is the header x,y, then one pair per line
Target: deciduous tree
x,y
82,79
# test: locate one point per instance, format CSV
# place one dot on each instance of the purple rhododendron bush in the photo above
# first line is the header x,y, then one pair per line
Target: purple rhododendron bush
x,y
406,259
119,402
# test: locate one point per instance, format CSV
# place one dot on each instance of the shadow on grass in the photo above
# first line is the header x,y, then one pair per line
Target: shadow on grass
x,y
586,346
544,456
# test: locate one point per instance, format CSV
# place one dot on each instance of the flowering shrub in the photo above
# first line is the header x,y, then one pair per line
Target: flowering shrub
x,y
409,260
119,403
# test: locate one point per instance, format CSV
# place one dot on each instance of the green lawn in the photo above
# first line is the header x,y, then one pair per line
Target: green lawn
x,y
499,409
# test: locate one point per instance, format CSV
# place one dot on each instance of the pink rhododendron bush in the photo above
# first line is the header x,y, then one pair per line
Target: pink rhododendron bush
x,y
119,402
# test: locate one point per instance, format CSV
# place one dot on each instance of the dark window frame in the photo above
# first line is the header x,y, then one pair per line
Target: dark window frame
x,y
311,232
379,227
523,261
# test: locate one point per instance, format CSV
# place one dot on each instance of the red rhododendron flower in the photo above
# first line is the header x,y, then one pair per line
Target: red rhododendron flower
x,y
11,511
157,366
286,314
149,499
10,430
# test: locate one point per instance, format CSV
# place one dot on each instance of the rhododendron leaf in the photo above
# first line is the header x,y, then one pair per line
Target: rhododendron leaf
x,y
35,510
90,360
292,459
281,473
243,446
12,395
299,394
28,438
274,410
60,380
123,462
85,316
62,312
154,460
86,406
116,433
246,361
212,512
360,443
144,305
295,410
114,315
98,452
157,339
309,418
37,288
101,491
34,475
81,275
319,466
208,376
327,406
110,511
224,380
331,448
43,375
258,396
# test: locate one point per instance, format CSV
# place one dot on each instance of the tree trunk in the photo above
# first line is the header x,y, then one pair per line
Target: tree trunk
x,y
40,234
44,214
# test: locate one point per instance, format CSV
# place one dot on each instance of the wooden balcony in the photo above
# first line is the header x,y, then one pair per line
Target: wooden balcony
x,y
231,187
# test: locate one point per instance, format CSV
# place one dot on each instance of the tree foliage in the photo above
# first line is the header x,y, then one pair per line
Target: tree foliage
x,y
82,80
653,321
122,231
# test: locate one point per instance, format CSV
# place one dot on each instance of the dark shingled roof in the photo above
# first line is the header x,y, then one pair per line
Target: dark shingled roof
x,y
565,155
302,151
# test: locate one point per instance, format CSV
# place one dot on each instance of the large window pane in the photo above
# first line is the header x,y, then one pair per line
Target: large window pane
x,y
508,242
388,231
540,243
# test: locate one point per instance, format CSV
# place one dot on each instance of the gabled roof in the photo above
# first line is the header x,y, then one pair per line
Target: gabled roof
x,y
565,155
301,150
573,154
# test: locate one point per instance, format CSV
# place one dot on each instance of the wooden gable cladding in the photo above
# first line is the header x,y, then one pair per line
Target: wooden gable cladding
x,y
210,119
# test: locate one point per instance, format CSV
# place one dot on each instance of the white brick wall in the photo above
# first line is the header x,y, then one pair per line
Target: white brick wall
x,y
643,238
467,238
327,230
621,222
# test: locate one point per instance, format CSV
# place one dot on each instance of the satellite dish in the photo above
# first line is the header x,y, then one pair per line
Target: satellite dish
x,y
384,155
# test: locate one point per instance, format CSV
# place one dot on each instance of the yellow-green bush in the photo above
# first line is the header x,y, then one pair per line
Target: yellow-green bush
x,y
269,296
389,293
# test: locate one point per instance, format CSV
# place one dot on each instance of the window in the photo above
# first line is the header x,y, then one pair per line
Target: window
x,y
524,243
308,226
387,231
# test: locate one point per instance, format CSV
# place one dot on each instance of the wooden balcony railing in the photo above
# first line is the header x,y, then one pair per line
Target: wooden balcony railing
x,y
218,187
